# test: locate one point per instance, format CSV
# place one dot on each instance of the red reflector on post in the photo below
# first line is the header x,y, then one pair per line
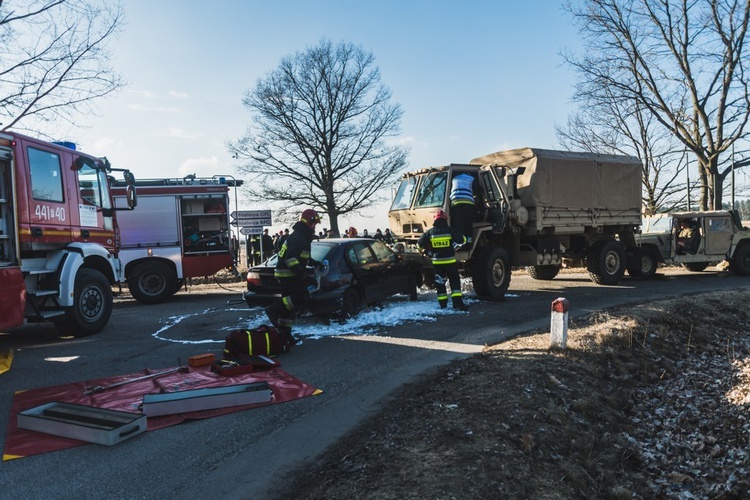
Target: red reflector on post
x,y
560,305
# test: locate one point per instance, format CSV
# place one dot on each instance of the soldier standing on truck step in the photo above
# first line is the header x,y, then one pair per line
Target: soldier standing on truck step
x,y
441,242
462,205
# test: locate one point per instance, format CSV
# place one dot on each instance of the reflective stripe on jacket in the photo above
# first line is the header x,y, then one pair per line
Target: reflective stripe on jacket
x,y
461,189
438,242
295,252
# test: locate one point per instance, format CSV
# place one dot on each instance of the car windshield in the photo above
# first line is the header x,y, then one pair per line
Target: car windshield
x,y
320,251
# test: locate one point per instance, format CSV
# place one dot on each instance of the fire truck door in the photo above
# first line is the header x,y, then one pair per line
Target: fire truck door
x,y
48,194
92,198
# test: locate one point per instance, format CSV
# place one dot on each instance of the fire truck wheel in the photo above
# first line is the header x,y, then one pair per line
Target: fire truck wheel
x,y
92,305
152,282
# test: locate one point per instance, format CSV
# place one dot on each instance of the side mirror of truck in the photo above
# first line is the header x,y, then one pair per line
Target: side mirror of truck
x,y
131,196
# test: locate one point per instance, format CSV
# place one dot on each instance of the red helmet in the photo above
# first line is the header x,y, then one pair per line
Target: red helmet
x,y
310,217
441,215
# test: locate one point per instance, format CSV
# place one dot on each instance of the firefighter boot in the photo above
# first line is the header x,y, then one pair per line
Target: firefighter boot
x,y
286,334
458,303
272,312
443,303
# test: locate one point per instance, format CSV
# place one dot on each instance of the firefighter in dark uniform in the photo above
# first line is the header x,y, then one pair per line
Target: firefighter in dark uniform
x,y
441,242
294,257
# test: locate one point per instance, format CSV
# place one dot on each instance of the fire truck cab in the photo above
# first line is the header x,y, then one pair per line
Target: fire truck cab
x,y
58,235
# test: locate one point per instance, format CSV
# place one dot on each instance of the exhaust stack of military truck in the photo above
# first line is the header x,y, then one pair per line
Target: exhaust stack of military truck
x,y
534,208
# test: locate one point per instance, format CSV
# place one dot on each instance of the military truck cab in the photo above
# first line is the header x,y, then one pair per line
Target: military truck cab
x,y
534,208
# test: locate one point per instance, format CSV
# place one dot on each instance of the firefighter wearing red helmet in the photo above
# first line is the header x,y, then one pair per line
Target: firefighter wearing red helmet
x,y
440,242
291,271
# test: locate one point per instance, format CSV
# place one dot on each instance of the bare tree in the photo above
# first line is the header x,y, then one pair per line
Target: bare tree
x,y
322,121
610,126
53,60
682,62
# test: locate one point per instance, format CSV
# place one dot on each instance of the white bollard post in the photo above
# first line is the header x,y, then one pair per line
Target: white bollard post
x,y
559,324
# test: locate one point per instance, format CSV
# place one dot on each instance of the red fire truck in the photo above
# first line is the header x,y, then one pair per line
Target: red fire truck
x,y
58,235
179,230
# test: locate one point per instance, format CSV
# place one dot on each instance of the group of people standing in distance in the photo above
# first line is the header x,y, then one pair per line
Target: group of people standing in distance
x,y
442,240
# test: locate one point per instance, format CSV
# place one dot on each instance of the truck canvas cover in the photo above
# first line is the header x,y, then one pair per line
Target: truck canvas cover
x,y
564,179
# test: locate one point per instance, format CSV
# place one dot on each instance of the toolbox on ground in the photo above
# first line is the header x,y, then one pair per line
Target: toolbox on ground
x,y
206,399
85,423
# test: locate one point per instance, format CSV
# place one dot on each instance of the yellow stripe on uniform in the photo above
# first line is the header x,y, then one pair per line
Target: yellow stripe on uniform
x,y
6,359
441,241
446,260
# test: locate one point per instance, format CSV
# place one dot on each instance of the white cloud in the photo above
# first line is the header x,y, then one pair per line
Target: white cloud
x,y
179,133
103,146
178,95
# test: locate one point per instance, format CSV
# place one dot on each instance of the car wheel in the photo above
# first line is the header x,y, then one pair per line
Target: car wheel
x,y
351,303
413,285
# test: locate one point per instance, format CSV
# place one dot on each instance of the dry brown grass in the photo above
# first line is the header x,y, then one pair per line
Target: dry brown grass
x,y
647,402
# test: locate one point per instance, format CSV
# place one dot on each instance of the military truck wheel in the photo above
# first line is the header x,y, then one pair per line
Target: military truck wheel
x,y
544,273
642,263
152,282
92,305
606,262
695,267
491,272
740,263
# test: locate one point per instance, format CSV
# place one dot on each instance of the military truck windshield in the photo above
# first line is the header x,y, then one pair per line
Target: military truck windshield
x,y
404,194
432,191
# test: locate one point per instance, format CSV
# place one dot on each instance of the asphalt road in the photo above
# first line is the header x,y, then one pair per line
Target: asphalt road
x,y
242,455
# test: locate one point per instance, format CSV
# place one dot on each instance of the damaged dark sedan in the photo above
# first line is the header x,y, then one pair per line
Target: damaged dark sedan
x,y
359,272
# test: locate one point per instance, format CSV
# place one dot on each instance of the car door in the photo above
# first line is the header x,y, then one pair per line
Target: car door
x,y
394,273
365,268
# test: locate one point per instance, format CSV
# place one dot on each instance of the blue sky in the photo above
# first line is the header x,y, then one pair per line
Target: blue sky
x,y
472,77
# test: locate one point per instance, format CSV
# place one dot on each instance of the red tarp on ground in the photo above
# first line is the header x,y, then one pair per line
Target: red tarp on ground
x,y
21,443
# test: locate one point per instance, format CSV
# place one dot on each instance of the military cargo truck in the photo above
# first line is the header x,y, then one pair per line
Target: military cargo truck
x,y
534,208
694,240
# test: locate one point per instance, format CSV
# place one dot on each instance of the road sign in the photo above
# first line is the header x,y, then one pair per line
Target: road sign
x,y
251,222
251,214
251,230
